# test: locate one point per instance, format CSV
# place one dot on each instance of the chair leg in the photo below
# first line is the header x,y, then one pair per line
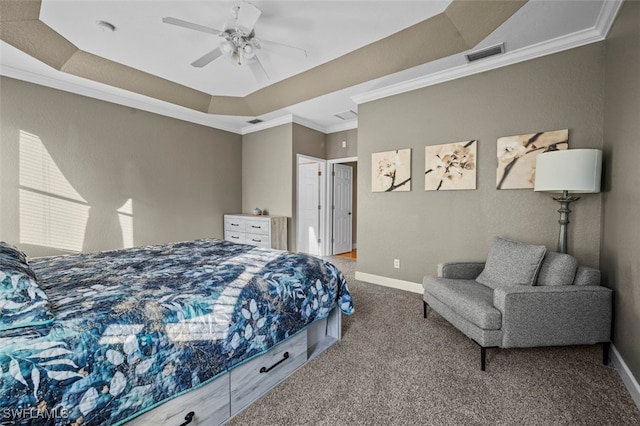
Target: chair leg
x,y
425,308
483,357
605,352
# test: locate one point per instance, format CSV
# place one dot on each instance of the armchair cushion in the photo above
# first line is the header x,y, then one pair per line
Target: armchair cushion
x,y
557,269
587,276
511,263
467,298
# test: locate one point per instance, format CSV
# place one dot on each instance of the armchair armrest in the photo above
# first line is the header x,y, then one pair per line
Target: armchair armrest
x,y
554,315
460,270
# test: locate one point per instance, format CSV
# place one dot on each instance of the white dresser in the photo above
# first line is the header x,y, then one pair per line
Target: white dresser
x,y
261,231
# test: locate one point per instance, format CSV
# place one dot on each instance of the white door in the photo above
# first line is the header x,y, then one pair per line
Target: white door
x,y
309,208
342,205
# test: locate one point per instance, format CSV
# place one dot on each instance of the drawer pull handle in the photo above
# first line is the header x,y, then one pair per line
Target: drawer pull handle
x,y
257,227
256,241
188,418
235,238
284,357
235,224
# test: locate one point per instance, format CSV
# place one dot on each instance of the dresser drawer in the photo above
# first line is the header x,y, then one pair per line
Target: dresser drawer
x,y
257,226
235,237
234,224
250,381
209,404
258,240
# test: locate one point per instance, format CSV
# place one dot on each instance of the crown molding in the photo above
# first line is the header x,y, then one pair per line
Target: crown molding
x,y
275,122
279,121
126,99
607,15
581,38
347,125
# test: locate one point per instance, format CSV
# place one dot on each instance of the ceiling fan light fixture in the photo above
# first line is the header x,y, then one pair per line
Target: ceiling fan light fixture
x,y
227,48
248,51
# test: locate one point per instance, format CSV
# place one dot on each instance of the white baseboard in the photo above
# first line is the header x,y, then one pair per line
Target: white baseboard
x,y
389,282
625,374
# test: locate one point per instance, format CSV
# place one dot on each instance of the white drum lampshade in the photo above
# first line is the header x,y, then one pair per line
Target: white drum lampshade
x,y
573,170
568,171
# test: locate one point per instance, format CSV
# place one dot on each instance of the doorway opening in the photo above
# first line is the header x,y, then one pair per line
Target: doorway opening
x,y
342,214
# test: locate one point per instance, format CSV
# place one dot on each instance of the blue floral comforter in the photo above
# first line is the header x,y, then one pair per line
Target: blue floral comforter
x,y
136,327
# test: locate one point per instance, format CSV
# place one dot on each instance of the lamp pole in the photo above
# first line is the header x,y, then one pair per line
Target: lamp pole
x,y
564,211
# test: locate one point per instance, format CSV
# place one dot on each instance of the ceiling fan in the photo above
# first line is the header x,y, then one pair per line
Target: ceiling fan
x,y
238,40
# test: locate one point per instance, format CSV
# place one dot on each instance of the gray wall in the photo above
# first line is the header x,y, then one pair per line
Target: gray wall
x,y
424,228
334,144
182,177
621,199
269,160
267,171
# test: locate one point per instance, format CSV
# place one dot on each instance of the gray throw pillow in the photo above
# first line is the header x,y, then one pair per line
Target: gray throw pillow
x,y
557,269
511,263
587,276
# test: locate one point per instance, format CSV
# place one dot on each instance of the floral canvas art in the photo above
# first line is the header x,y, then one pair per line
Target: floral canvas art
x,y
450,166
391,171
517,156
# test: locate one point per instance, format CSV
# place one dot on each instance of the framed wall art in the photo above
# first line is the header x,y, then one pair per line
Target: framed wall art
x,y
391,171
517,156
450,166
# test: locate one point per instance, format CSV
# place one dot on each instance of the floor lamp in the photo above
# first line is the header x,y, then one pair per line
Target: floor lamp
x,y
571,171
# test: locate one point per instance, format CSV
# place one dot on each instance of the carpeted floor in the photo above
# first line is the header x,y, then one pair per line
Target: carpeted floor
x,y
393,367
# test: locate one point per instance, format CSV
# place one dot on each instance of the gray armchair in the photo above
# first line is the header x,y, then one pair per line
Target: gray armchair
x,y
522,297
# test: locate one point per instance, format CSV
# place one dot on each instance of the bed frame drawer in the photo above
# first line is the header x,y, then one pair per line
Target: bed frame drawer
x,y
252,380
209,405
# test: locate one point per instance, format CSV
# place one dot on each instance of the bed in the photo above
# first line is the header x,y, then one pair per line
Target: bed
x,y
189,332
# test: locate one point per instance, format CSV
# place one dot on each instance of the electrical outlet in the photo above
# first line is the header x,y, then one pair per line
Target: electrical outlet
x,y
344,144
396,263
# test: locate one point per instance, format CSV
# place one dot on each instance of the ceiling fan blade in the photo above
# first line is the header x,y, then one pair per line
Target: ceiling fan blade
x,y
190,25
258,70
282,48
206,59
248,15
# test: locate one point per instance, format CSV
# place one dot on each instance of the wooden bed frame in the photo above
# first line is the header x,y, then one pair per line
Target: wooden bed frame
x,y
232,392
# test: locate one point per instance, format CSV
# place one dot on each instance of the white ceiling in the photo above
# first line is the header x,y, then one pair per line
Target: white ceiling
x,y
326,29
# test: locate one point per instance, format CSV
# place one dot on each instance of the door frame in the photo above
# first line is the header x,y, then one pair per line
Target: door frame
x,y
322,200
328,217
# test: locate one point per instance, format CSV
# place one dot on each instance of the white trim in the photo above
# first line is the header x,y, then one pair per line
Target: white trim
x,y
279,121
285,119
127,99
389,282
607,15
625,374
347,125
580,38
343,160
310,124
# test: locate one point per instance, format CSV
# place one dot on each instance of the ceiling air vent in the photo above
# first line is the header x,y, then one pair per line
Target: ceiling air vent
x,y
255,121
485,53
348,115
